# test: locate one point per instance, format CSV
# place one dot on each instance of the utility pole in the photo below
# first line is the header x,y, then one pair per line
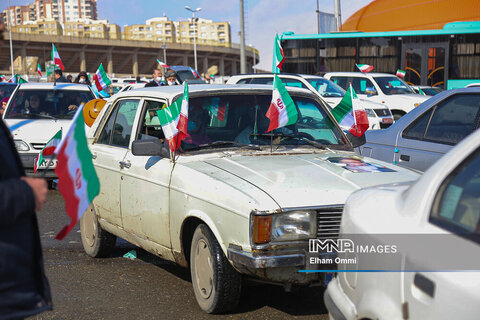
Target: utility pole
x,y
194,34
243,64
10,32
318,18
338,15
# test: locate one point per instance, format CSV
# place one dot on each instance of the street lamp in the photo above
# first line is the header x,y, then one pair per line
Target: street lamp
x,y
194,33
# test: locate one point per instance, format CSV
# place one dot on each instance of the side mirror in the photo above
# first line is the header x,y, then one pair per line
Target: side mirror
x,y
150,147
370,91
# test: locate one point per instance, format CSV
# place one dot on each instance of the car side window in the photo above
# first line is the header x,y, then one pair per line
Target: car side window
x,y
417,129
243,81
293,83
360,85
118,129
341,81
268,80
150,127
457,204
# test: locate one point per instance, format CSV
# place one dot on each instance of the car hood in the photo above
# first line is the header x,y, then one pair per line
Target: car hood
x,y
333,101
303,179
407,98
36,130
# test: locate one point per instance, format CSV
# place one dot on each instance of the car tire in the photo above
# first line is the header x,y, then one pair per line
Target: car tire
x,y
216,284
96,242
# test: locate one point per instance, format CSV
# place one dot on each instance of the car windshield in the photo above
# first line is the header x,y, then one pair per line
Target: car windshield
x,y
240,121
326,88
46,103
431,91
187,75
393,85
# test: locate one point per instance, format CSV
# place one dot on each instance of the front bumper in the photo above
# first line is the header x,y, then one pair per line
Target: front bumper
x,y
337,303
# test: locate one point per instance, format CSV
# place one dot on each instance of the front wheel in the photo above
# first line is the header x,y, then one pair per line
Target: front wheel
x,y
217,285
97,242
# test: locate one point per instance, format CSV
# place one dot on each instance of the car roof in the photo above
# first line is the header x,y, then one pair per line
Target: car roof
x,y
259,75
7,84
51,85
358,73
170,92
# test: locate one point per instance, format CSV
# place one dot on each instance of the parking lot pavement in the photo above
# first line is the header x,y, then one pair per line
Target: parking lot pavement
x,y
146,287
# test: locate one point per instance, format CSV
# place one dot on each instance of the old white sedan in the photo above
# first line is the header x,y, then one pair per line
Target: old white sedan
x,y
234,201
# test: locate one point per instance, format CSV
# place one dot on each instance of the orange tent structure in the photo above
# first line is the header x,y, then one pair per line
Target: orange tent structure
x,y
395,15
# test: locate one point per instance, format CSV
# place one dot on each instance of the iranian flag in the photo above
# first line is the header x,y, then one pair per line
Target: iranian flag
x,y
364,67
100,78
163,64
400,73
39,69
278,56
350,118
77,179
56,58
174,120
48,150
282,111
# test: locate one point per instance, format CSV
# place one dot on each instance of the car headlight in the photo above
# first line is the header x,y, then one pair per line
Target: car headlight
x,y
295,225
21,145
370,113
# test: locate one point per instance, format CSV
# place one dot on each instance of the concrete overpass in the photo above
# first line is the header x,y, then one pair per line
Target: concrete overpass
x,y
119,57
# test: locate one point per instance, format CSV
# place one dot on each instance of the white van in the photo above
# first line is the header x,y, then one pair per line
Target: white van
x,y
36,111
382,88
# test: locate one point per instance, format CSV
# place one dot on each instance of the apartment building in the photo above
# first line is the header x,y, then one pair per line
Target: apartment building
x,y
209,32
41,26
89,28
16,15
156,29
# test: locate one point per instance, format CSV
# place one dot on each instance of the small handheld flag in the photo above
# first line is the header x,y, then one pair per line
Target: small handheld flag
x,y
351,119
48,150
278,55
56,58
400,73
282,111
364,67
163,64
101,79
39,69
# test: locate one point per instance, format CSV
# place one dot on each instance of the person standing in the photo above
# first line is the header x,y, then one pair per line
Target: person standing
x,y
24,288
83,78
156,79
58,74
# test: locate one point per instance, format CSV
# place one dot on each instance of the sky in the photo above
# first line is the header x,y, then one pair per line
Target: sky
x,y
263,18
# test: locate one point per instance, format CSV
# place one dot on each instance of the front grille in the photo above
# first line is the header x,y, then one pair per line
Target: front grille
x,y
382,112
328,222
38,146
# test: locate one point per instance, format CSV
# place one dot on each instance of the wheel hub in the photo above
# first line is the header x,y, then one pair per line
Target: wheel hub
x,y
203,269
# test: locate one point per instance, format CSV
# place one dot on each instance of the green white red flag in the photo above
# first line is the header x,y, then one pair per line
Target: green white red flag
x,y
278,56
77,179
48,150
282,111
173,120
17,79
101,79
364,67
400,73
39,69
163,64
351,118
56,58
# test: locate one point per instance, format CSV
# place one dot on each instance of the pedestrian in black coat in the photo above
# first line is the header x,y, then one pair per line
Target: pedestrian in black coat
x,y
24,288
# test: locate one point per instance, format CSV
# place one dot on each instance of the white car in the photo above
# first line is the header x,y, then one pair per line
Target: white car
x,y
440,213
379,116
382,88
36,111
235,200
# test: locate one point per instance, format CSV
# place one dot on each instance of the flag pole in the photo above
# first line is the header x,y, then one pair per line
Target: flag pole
x,y
353,109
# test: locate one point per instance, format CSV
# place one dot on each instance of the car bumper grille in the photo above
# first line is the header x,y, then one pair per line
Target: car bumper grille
x,y
328,222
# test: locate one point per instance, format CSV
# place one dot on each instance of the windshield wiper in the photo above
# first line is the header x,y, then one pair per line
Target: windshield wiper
x,y
290,136
225,144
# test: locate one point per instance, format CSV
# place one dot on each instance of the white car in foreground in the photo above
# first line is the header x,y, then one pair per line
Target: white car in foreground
x,y
444,204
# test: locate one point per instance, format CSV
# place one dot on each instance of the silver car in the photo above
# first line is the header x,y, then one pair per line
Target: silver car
x,y
426,133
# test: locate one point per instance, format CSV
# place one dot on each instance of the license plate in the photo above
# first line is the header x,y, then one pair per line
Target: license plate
x,y
45,162
387,120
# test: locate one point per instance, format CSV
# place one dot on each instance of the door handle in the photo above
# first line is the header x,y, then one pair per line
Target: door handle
x,y
404,157
125,164
94,156
424,284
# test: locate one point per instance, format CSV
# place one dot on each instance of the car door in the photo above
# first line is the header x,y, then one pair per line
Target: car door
x,y
456,210
435,132
145,183
108,153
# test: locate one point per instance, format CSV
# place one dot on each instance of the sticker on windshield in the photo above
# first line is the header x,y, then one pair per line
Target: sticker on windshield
x,y
354,164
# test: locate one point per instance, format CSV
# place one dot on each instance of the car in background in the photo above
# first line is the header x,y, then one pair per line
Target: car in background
x,y
131,86
426,90
6,89
186,73
128,80
379,116
441,213
384,88
234,200
32,129
429,131
471,85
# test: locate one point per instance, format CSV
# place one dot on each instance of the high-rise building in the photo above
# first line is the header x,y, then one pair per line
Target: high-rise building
x,y
16,15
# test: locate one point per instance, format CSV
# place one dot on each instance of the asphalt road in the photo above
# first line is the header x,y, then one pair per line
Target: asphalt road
x,y
146,287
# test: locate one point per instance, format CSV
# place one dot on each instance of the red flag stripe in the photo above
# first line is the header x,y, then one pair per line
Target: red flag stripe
x,y
273,115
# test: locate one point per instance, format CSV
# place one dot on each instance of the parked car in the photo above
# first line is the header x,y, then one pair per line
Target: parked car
x,y
475,84
379,116
36,111
382,88
425,134
186,73
235,200
427,90
444,204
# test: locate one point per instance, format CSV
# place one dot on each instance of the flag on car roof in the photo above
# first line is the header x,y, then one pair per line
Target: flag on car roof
x,y
56,58
351,118
17,79
101,79
400,73
364,67
77,179
163,64
48,150
173,120
278,56
282,111
39,69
